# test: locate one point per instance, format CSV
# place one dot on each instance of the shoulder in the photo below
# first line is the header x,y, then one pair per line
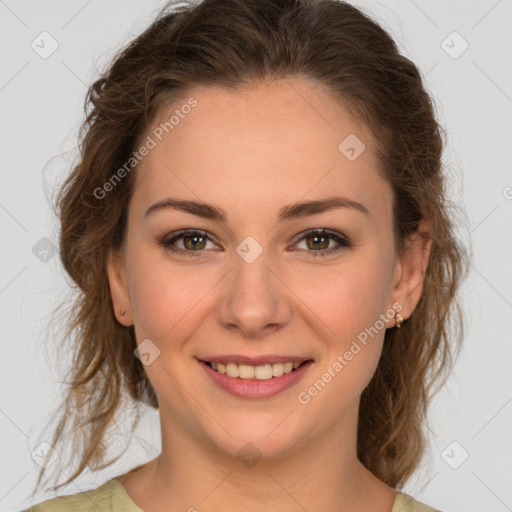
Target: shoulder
x,y
108,497
406,503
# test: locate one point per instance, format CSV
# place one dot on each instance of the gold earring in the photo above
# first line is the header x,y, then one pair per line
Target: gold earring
x,y
123,312
399,320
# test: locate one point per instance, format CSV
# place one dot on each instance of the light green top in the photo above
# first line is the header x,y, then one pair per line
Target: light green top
x,y
112,497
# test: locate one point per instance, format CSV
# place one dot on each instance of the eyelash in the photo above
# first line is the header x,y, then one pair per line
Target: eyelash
x,y
343,241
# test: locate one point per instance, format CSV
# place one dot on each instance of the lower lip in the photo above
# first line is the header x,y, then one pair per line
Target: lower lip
x,y
253,388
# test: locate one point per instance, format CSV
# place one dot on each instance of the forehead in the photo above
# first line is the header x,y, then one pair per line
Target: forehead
x,y
269,144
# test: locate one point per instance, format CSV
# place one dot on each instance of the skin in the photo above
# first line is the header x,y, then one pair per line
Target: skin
x,y
269,146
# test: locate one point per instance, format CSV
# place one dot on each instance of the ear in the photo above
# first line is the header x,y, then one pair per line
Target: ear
x,y
410,269
119,290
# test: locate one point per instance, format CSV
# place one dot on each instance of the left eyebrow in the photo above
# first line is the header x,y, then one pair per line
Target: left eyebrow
x,y
292,211
298,210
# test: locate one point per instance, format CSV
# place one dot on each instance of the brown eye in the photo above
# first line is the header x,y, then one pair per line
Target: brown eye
x,y
187,242
194,241
317,242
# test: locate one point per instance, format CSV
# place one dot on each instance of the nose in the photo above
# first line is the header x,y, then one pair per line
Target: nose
x,y
254,299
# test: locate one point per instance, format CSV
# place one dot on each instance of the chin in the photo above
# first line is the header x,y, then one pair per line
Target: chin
x,y
258,436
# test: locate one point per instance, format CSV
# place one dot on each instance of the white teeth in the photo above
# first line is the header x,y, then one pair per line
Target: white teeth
x,y
261,372
245,371
232,370
277,369
288,367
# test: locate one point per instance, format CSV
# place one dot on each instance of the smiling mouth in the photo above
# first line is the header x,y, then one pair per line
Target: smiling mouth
x,y
260,372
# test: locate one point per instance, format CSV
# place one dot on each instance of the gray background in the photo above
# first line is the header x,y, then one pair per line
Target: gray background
x,y
41,101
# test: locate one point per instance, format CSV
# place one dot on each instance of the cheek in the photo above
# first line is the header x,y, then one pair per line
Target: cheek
x,y
349,301
347,298
166,297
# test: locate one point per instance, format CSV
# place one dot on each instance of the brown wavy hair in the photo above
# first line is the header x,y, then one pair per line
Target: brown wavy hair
x,y
234,44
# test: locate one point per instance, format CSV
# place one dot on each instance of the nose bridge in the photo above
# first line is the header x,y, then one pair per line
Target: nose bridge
x,y
253,299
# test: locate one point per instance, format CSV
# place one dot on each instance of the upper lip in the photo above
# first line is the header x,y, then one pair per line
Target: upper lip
x,y
255,361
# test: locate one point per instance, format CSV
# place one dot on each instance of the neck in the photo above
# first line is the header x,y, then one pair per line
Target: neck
x,y
323,474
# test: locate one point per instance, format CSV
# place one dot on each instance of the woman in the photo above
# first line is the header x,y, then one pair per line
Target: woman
x,y
259,231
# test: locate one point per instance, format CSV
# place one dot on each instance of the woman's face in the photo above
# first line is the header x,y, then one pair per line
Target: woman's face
x,y
256,286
